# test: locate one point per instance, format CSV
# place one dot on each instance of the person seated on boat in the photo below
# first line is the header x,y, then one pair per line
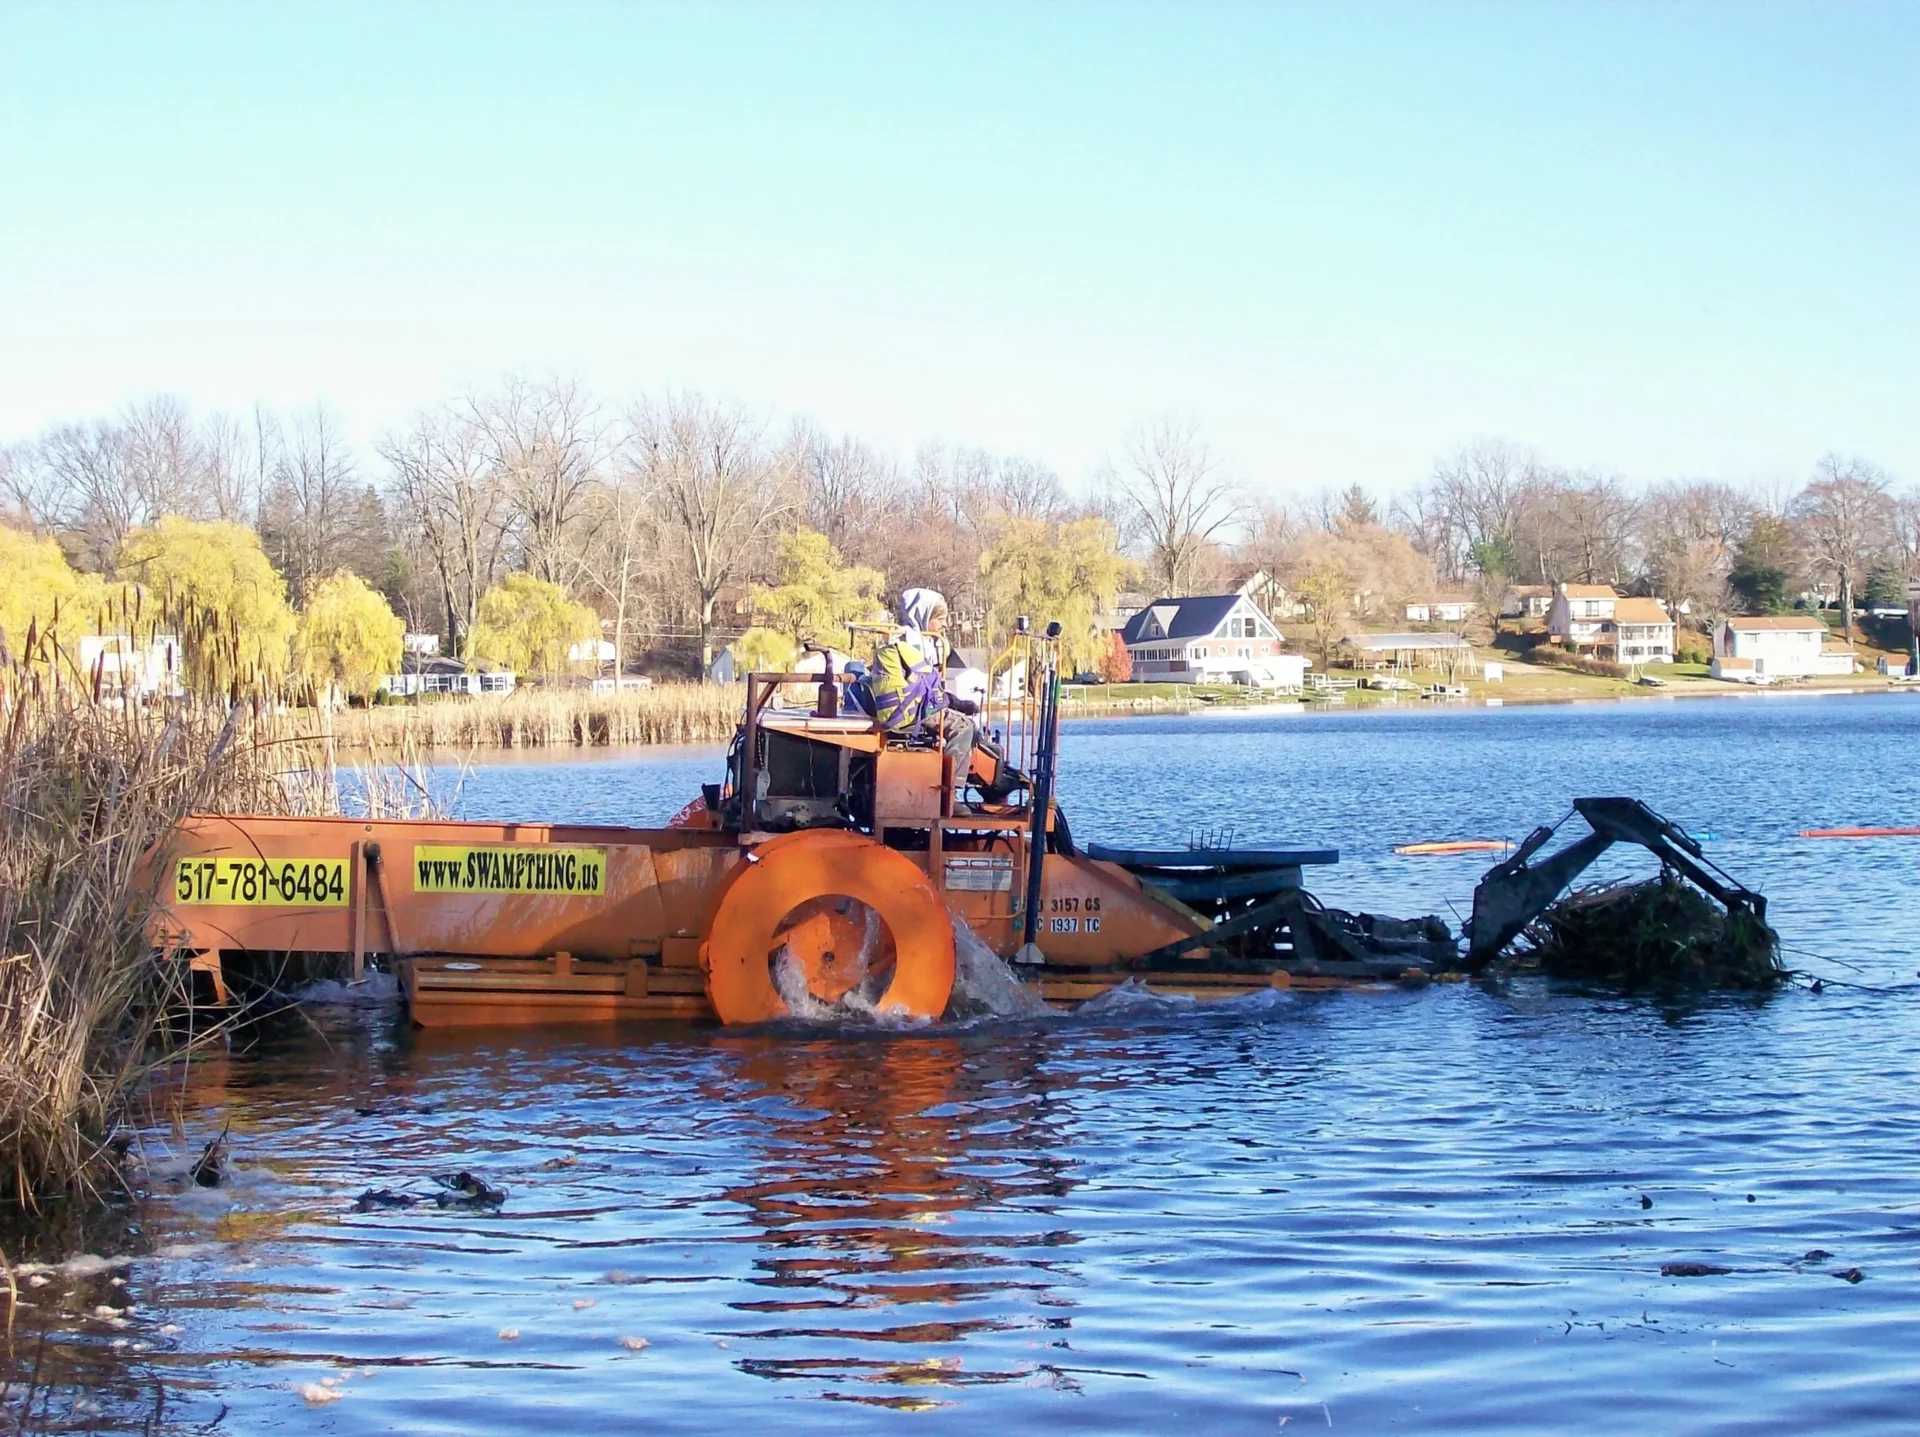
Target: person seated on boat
x,y
905,690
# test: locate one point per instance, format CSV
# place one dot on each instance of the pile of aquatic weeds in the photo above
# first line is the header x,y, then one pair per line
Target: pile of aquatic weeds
x,y
1658,934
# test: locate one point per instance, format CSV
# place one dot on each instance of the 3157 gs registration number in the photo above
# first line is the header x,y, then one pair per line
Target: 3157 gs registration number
x,y
261,882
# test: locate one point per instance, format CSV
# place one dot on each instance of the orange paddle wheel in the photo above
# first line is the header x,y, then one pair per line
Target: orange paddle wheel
x,y
837,912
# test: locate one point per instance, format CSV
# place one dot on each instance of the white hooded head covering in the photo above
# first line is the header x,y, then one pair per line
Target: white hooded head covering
x,y
917,606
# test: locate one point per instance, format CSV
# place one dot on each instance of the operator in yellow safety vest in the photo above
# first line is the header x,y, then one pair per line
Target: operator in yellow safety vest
x,y
905,690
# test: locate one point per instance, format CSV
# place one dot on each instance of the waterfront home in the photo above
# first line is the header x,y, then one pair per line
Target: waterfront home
x,y
1581,615
1642,633
599,654
132,668
1778,646
1269,595
420,674
1446,609
1209,639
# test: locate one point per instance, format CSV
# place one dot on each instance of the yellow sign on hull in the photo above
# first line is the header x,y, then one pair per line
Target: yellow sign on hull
x,y
261,882
529,868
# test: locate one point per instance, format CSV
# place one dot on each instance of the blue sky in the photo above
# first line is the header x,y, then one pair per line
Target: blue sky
x,y
1658,239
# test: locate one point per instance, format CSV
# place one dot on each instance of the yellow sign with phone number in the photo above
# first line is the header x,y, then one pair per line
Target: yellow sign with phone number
x,y
261,883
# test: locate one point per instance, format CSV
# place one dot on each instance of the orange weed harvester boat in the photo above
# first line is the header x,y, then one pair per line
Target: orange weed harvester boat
x,y
832,868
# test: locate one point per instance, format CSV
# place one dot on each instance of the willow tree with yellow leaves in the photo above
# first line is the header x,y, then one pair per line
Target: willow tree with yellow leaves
x,y
1069,572
528,625
42,593
817,595
216,580
349,637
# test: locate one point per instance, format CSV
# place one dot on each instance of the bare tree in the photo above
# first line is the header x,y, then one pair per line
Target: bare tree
x,y
1906,532
1475,502
165,462
848,491
720,490
1023,488
622,529
235,465
81,485
30,493
446,490
1596,517
313,517
1688,533
1178,496
1272,532
548,441
1846,518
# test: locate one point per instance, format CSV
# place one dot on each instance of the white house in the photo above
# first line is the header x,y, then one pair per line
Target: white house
x,y
1776,646
1581,614
1642,632
422,675
1526,601
598,652
1269,594
1209,639
130,668
1444,610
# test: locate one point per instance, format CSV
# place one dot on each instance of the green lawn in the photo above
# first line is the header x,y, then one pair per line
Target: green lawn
x,y
1675,671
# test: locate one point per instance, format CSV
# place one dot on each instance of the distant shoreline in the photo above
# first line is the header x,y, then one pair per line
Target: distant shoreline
x,y
1489,696
577,752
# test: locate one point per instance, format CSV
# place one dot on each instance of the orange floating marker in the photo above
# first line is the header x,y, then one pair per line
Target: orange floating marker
x,y
1860,833
1459,845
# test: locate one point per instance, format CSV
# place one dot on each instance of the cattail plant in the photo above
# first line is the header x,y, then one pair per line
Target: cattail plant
x,y
91,785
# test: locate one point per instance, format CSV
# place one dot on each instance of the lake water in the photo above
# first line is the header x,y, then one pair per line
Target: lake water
x,y
1427,1211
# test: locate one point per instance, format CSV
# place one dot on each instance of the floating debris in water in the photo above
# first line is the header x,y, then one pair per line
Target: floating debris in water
x,y
581,1304
1659,934
1850,1274
1692,1269
211,1168
635,1344
377,1199
318,1394
463,1189
1819,1254
509,1334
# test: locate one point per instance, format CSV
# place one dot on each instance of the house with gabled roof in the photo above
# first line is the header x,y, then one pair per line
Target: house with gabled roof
x,y
1598,617
1642,632
1775,646
1209,639
1580,613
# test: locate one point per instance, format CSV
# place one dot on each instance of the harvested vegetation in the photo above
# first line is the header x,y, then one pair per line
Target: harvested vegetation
x,y
1657,934
667,713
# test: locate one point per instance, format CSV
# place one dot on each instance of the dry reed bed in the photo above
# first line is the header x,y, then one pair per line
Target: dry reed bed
x,y
669,713
87,789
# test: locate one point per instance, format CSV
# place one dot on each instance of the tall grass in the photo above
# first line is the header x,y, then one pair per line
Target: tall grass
x,y
534,718
89,785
